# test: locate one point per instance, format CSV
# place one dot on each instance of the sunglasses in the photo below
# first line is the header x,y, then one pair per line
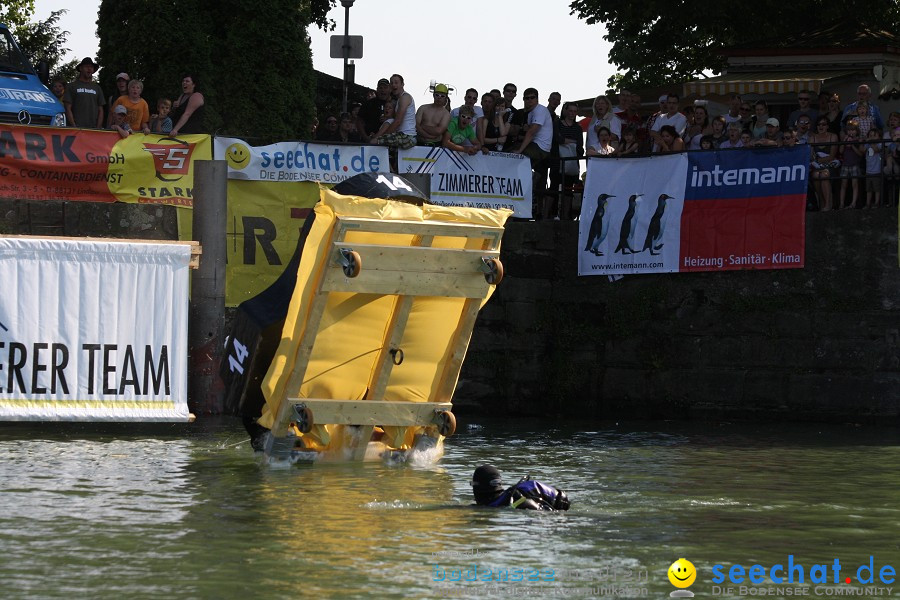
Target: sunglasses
x,y
529,97
807,99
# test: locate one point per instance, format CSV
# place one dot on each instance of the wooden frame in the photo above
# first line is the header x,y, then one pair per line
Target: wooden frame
x,y
403,271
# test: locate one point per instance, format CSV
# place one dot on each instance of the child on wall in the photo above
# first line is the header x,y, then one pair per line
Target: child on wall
x,y
120,122
160,122
136,107
851,152
873,168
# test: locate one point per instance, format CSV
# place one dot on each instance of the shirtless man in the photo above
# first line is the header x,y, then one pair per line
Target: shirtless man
x,y
432,119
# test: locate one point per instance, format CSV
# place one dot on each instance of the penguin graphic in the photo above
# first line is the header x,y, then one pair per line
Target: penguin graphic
x,y
629,224
657,227
599,226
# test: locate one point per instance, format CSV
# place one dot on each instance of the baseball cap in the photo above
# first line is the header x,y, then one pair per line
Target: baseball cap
x,y
383,81
773,122
440,89
121,110
123,76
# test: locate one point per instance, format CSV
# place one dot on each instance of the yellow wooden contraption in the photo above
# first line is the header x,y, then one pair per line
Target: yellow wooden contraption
x,y
379,322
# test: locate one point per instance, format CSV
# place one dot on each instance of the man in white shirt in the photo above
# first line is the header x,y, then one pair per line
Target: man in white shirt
x,y
536,143
734,110
538,129
470,99
672,117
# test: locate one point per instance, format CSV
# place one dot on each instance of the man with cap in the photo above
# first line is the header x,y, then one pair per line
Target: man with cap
x,y
663,108
84,99
368,119
487,487
432,119
122,80
120,121
772,136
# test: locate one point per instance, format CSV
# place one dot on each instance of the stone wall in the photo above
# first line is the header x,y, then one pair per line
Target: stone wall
x,y
819,343
89,219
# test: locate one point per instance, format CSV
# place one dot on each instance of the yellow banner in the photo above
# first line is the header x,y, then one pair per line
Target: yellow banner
x,y
158,169
264,222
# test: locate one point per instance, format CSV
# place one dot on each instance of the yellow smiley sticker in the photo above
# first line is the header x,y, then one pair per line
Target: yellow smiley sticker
x,y
682,573
237,156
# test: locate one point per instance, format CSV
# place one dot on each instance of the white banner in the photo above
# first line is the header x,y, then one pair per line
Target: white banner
x,y
631,215
93,330
493,180
299,161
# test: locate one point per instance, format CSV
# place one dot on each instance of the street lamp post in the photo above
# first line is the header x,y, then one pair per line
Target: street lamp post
x,y
346,4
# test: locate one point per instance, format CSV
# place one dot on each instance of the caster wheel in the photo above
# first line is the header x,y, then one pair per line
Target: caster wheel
x,y
446,423
353,263
495,272
303,419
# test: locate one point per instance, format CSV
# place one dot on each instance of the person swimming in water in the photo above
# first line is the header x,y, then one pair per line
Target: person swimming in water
x,y
487,486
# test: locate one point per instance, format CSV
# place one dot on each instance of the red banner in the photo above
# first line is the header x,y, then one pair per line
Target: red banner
x,y
49,163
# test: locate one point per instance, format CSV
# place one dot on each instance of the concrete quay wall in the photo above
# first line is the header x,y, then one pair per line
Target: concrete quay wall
x,y
820,343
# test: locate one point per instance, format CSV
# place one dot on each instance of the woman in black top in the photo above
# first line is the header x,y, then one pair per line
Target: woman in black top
x,y
187,111
492,127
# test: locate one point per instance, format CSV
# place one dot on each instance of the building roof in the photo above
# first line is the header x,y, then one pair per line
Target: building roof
x,y
836,38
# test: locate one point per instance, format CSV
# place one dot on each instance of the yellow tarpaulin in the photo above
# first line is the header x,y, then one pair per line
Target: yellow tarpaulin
x,y
351,332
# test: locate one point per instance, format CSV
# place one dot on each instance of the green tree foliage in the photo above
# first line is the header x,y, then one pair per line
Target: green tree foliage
x,y
251,59
43,40
15,13
658,42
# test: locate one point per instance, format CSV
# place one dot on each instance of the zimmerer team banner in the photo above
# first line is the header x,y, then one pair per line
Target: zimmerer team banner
x,y
73,346
271,190
493,180
696,211
49,163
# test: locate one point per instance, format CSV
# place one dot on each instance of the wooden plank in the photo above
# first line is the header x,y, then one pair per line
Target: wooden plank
x,y
423,228
369,412
300,361
416,259
386,283
459,345
362,437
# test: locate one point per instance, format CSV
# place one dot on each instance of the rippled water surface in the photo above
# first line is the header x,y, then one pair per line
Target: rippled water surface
x,y
192,513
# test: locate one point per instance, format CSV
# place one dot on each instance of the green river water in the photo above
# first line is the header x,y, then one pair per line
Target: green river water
x,y
192,513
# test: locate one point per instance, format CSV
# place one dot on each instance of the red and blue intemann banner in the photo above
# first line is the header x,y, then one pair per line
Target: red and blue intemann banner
x,y
697,211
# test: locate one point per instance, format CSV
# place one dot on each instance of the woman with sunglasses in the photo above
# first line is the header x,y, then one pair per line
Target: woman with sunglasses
x,y
834,114
823,165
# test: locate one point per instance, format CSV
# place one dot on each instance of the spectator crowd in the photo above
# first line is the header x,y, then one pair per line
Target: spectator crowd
x,y
854,151
853,145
